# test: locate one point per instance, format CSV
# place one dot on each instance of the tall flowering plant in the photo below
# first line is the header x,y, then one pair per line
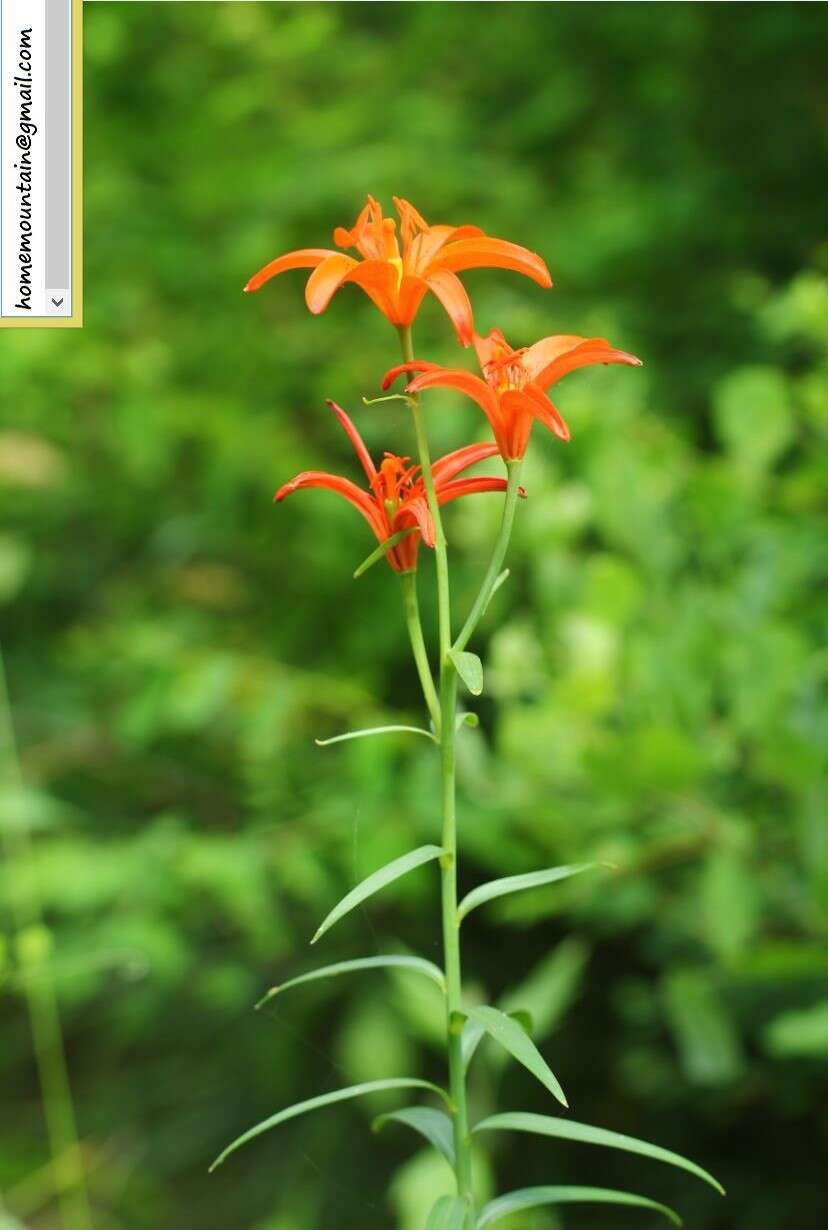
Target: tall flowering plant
x,y
402,500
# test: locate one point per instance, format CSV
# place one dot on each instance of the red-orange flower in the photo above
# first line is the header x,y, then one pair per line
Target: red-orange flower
x,y
397,496
395,280
512,392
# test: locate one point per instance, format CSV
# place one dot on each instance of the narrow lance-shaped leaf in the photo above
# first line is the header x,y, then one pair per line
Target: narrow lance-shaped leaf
x,y
503,576
568,1129
516,884
469,668
449,1213
382,550
375,730
379,879
434,1125
474,1031
417,964
533,1197
325,1099
513,1038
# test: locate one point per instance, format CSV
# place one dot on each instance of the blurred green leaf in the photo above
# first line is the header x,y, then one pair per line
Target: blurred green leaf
x,y
568,1129
515,884
377,880
799,1034
469,668
434,1125
325,1099
533,1197
513,1038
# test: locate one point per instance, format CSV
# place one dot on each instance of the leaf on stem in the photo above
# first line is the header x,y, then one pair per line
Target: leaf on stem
x,y
325,1099
474,1031
515,884
417,964
532,1197
568,1129
499,580
434,1125
376,730
469,668
513,1038
377,880
383,549
450,1213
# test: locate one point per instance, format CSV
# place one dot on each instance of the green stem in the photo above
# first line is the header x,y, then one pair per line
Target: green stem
x,y
408,580
448,863
32,942
451,932
440,553
498,555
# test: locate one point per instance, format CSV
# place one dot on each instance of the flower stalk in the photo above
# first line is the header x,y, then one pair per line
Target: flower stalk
x,y
448,862
498,555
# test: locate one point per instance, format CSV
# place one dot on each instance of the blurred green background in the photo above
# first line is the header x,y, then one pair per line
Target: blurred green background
x,y
655,667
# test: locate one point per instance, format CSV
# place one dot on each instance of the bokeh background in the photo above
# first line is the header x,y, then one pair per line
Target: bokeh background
x,y
655,666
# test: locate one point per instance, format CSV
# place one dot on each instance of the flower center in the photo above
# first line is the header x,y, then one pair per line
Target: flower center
x,y
506,371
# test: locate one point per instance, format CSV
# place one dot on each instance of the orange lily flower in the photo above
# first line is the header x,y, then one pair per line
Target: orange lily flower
x,y
396,281
397,496
512,391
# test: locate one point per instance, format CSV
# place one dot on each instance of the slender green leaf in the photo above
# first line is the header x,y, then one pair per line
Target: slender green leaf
x,y
515,884
375,730
469,668
532,1197
567,1129
434,1125
513,1038
503,576
449,1213
379,879
474,1031
325,1099
418,964
382,549
471,1037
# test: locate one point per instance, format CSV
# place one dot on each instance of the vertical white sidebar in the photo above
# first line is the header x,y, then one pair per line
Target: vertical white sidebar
x,y
23,162
40,163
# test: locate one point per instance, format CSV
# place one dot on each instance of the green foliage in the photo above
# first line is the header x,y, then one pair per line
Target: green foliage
x,y
568,1129
516,884
532,1197
377,880
655,685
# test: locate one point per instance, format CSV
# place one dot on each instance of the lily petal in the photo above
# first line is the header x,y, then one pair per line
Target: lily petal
x,y
486,253
356,439
360,499
378,278
591,350
548,349
416,510
451,293
326,280
409,297
454,463
466,382
469,486
416,365
544,411
304,258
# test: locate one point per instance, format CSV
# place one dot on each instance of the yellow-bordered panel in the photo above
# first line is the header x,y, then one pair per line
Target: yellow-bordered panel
x,y
74,321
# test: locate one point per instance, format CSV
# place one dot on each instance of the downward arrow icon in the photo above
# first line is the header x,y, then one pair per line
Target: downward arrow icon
x,y
57,302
